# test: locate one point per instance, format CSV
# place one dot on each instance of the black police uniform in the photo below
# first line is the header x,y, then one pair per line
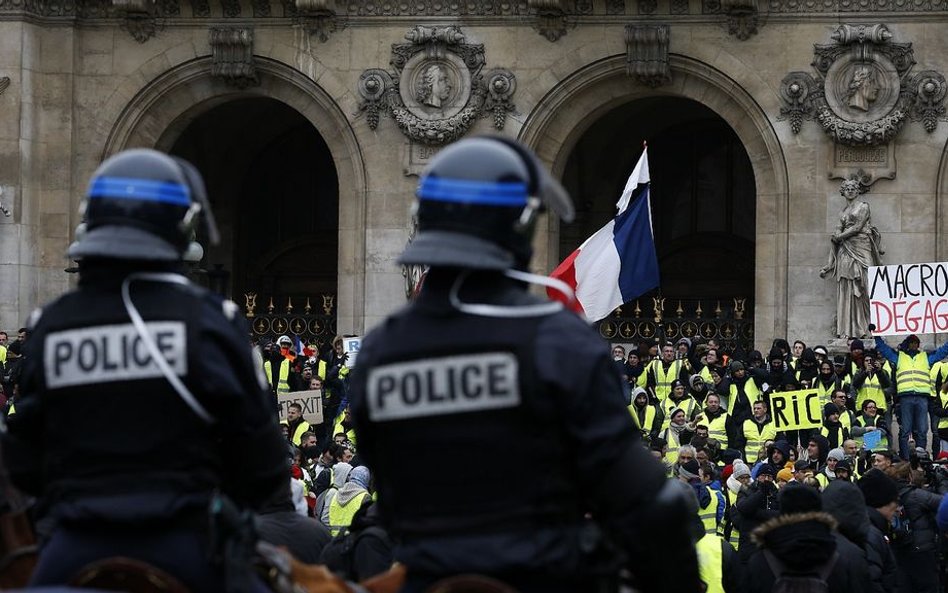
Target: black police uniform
x,y
490,438
120,463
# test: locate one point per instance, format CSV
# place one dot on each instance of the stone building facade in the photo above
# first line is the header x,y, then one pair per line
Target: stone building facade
x,y
312,118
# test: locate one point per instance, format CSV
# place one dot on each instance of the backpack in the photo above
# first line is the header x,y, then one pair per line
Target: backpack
x,y
901,533
339,553
800,582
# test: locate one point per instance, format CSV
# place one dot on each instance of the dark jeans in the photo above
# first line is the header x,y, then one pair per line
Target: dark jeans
x,y
913,418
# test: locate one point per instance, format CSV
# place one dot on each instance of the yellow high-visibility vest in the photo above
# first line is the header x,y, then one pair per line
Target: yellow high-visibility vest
x,y
711,562
709,515
283,384
756,438
871,389
913,373
650,412
717,429
663,379
340,516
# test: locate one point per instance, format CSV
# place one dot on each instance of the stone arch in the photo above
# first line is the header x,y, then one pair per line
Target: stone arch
x,y
560,118
162,110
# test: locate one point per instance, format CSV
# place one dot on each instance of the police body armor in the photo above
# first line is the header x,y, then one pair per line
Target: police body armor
x,y
455,379
109,447
106,399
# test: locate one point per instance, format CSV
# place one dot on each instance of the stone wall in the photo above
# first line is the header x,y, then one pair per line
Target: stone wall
x,y
83,88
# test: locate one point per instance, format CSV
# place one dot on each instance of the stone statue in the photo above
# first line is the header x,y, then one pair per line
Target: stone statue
x,y
433,86
856,246
863,89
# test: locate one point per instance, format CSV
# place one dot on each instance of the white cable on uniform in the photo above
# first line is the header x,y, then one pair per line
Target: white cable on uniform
x,y
180,388
512,311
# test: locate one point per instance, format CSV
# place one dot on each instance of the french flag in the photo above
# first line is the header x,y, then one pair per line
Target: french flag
x,y
618,263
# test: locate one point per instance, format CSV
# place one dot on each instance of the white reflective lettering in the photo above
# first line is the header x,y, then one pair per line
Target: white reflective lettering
x,y
441,386
112,353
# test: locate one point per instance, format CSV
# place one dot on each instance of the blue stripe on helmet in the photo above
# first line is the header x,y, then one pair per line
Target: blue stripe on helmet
x,y
463,191
146,190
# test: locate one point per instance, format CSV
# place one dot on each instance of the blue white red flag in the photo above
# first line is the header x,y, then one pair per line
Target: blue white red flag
x,y
618,263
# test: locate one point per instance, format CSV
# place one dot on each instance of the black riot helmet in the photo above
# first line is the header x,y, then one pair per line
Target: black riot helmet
x,y
477,206
142,205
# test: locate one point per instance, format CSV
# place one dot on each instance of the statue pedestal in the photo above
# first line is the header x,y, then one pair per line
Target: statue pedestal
x,y
837,346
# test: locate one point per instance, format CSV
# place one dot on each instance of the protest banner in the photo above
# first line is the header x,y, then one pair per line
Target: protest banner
x,y
351,347
311,401
908,299
796,410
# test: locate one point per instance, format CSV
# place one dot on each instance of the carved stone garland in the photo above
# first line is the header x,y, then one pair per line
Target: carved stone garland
x,y
436,91
864,91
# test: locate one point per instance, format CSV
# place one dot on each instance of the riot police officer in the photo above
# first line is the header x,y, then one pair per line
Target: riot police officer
x,y
140,396
494,420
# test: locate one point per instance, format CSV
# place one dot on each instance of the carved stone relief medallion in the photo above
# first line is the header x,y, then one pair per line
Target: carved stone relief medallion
x,y
861,91
438,89
864,89
435,88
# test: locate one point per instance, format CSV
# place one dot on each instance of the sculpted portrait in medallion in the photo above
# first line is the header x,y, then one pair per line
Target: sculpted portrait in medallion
x,y
863,88
862,91
435,88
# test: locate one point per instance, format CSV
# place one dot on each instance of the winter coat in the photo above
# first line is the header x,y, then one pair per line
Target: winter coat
x,y
844,502
879,554
755,505
804,542
920,506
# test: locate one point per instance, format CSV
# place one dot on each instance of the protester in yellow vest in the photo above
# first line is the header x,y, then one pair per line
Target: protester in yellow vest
x,y
285,345
914,384
870,420
871,381
832,428
716,419
679,399
644,414
942,412
757,430
662,373
295,423
677,434
349,499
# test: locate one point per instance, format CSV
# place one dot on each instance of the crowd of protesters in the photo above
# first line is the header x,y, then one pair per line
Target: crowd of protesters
x,y
815,504
772,505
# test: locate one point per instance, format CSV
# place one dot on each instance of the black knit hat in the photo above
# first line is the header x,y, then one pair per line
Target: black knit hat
x,y
689,470
797,498
878,488
775,354
830,408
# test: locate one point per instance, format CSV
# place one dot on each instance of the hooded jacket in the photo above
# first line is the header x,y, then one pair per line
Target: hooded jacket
x,y
845,502
340,473
755,505
920,506
822,445
804,542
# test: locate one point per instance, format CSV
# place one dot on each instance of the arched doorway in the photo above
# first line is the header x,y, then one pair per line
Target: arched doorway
x,y
703,195
275,192
161,112
581,99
